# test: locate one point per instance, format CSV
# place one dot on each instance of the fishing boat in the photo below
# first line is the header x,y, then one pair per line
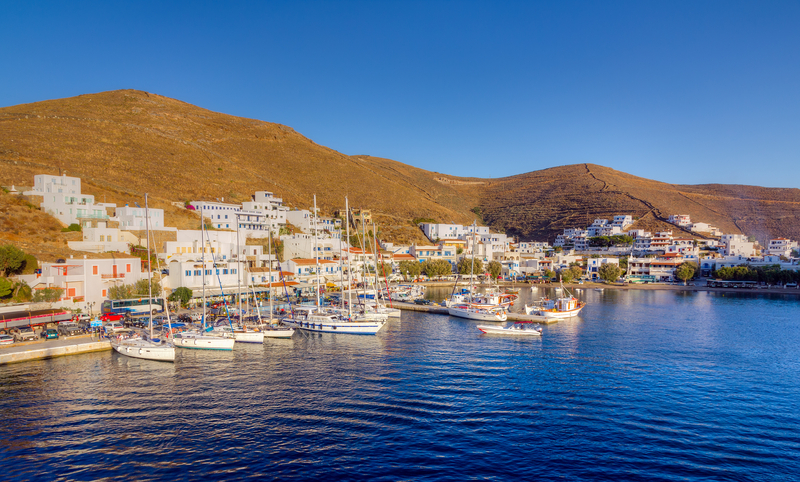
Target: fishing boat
x,y
519,328
566,307
137,346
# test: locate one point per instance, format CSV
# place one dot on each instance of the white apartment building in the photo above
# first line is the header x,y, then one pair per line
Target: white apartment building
x,y
133,218
220,277
62,199
593,266
300,245
86,281
781,247
255,217
433,252
736,244
705,228
220,246
102,239
441,231
306,270
596,228
622,221
682,220
531,247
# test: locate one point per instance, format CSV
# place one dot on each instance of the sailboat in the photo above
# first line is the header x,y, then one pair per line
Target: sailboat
x,y
314,319
274,329
470,310
203,340
138,347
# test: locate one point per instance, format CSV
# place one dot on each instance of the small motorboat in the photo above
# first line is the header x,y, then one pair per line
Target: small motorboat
x,y
520,328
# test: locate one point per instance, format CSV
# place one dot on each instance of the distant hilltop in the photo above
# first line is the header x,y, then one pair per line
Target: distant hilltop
x,y
127,142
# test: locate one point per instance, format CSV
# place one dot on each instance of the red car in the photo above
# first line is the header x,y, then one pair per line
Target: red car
x,y
112,317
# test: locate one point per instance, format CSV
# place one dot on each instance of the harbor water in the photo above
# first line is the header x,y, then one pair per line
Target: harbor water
x,y
645,385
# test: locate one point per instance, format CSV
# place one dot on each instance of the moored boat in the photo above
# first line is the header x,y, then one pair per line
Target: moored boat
x,y
520,328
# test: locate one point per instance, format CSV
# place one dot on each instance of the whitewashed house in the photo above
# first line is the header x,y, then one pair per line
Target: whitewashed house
x,y
62,199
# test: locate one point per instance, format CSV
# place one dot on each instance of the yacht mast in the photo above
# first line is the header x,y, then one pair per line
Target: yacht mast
x,y
316,247
203,247
472,270
349,272
269,269
239,272
149,267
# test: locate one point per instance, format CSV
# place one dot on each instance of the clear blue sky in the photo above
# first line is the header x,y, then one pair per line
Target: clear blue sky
x,y
684,92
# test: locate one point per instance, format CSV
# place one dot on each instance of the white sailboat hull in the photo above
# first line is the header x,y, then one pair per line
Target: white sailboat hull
x,y
203,342
328,326
476,314
512,330
278,333
145,350
248,336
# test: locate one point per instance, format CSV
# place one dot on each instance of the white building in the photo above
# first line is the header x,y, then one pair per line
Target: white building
x,y
622,221
531,247
781,247
86,281
306,270
102,239
220,277
736,244
593,266
62,199
133,218
705,228
300,245
682,220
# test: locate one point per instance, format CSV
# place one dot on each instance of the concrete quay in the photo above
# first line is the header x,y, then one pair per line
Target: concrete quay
x,y
440,310
52,348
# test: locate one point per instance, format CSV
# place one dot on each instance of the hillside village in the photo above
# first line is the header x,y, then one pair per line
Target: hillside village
x,y
263,245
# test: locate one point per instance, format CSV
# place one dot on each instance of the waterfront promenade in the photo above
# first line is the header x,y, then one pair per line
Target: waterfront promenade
x,y
39,350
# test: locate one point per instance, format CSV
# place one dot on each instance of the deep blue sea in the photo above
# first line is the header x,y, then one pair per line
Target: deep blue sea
x,y
645,385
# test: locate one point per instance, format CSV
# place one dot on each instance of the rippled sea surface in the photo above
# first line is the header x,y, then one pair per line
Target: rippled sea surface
x,y
646,385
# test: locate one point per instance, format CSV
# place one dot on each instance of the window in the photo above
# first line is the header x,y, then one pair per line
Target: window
x,y
224,271
188,272
104,293
128,268
94,269
197,272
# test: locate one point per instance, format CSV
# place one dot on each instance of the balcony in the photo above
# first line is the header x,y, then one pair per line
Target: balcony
x,y
112,276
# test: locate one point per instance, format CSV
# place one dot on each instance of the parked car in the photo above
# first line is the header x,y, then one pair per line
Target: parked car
x,y
791,285
81,317
6,339
68,329
112,317
24,333
49,334
423,301
114,327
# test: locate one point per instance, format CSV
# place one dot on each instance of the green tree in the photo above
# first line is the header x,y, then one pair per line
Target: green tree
x,y
494,268
48,295
609,272
465,265
136,290
182,294
410,269
22,292
72,227
571,273
12,259
437,267
6,287
549,274
685,271
623,264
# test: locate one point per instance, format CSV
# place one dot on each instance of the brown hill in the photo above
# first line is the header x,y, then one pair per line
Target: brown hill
x,y
125,143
